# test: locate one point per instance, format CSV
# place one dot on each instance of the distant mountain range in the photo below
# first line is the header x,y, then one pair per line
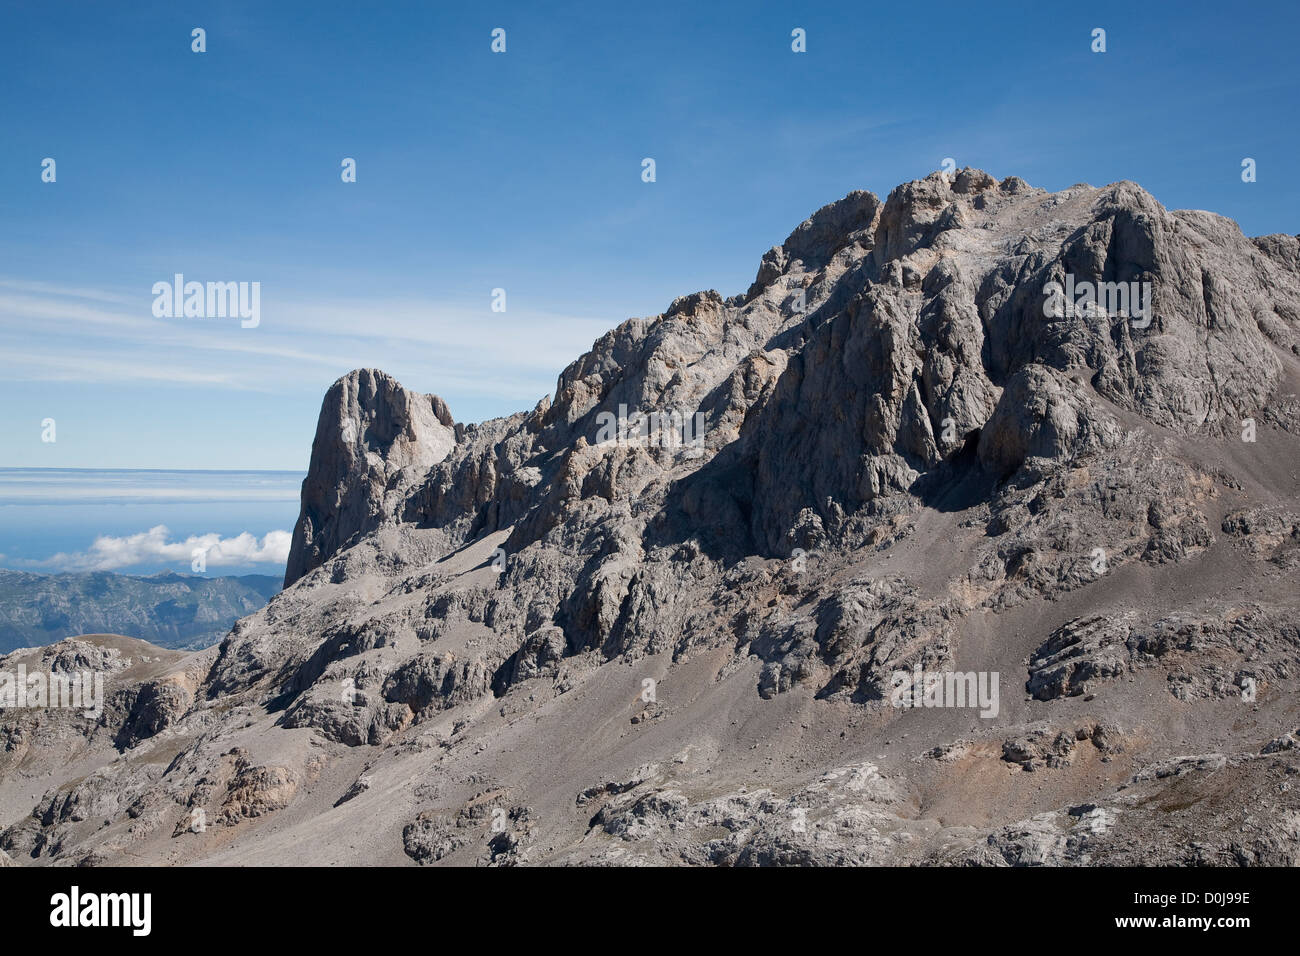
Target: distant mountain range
x,y
168,609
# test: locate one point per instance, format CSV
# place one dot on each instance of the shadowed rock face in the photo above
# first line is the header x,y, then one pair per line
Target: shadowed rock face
x,y
889,454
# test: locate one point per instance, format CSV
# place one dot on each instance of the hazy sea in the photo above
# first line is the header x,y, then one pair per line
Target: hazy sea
x,y
47,511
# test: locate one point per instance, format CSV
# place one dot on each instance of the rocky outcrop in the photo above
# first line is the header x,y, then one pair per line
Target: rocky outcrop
x,y
1227,655
373,439
658,617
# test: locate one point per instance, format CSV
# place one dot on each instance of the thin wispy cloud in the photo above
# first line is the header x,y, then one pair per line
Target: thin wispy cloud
x,y
48,288
462,349
80,367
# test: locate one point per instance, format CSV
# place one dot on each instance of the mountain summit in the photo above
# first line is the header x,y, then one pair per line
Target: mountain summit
x,y
1033,450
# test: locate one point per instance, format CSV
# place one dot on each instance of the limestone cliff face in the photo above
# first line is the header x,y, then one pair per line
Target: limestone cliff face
x,y
877,342
904,452
373,438
889,356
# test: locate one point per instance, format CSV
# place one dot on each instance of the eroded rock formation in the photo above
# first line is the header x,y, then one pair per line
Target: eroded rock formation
x,y
545,638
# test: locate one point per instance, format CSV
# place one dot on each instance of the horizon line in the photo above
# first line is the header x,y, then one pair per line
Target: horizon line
x,y
213,471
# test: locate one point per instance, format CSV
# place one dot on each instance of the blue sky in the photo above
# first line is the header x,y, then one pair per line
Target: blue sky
x,y
522,171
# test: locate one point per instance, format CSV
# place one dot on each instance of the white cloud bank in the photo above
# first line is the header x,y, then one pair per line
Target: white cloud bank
x,y
108,553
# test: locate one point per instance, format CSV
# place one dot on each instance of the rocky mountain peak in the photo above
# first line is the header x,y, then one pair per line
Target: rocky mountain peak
x,y
1046,436
372,437
921,321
